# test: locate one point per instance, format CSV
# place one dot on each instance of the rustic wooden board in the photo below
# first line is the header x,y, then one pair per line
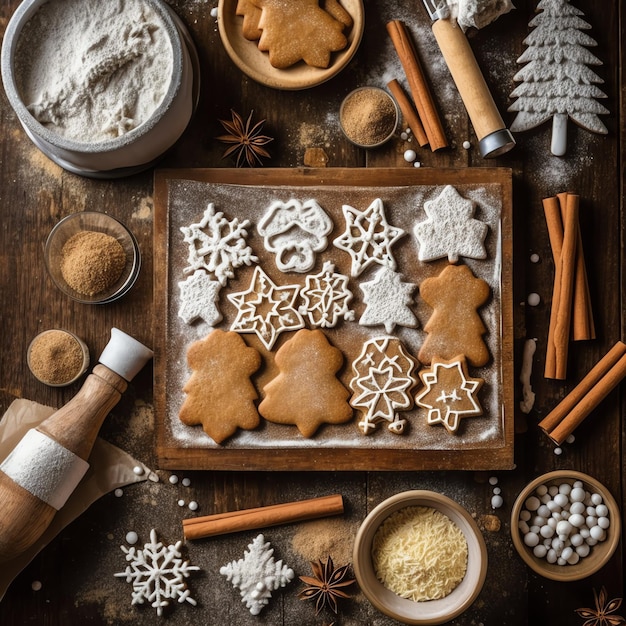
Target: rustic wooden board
x,y
180,199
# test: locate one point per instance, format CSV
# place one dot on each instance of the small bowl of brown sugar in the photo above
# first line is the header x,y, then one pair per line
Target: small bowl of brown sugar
x,y
92,257
369,117
57,357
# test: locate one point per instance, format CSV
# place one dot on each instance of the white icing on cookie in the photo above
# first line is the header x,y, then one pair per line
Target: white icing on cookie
x,y
450,229
217,245
326,298
257,574
382,383
388,299
266,309
294,232
198,298
449,393
368,237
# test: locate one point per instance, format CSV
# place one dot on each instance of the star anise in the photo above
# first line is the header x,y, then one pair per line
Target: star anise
x,y
246,139
600,615
326,585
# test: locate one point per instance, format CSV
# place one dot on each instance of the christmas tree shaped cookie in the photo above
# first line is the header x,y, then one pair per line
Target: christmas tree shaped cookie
x,y
220,395
455,327
307,392
557,82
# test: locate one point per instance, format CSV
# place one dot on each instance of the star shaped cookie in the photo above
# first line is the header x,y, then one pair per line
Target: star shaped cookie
x,y
449,393
368,237
266,309
198,299
450,229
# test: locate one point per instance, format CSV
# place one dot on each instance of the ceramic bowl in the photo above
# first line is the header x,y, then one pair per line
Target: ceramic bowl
x,y
79,373
100,222
255,63
599,554
133,151
392,127
432,611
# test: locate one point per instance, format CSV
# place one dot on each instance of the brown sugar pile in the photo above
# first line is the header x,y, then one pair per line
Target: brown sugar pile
x,y
92,262
368,116
56,357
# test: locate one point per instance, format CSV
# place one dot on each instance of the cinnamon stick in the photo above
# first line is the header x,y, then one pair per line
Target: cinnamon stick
x,y
262,517
410,115
417,84
561,422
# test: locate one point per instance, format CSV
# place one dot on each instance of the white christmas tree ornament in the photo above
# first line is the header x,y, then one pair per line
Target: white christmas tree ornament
x,y
556,81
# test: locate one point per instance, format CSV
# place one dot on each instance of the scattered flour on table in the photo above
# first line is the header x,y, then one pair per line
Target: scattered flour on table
x,y
92,71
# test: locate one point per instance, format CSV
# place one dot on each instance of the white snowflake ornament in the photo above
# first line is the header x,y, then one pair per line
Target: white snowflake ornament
x,y
157,573
217,245
257,574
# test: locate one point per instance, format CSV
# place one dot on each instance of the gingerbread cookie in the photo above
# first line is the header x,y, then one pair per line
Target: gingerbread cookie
x,y
449,393
382,384
307,392
220,395
451,230
299,31
455,326
251,14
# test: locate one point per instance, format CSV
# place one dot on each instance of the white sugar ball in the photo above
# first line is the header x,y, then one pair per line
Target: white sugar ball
x,y
577,508
544,511
563,528
497,491
532,503
404,136
410,156
561,561
173,479
552,523
597,533
561,499
496,501
558,451
539,521
181,503
596,498
467,145
193,505
553,506
567,552
551,556
417,164
565,488
578,484
493,480
591,510
138,470
557,544
603,522
540,551
577,494
570,439
573,558
531,540
546,531
576,520
186,482
591,521
576,540
584,532
132,538
602,510
583,550
591,541
533,299
534,258
119,493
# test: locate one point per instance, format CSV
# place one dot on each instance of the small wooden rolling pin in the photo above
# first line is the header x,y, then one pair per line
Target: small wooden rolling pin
x,y
45,467
494,138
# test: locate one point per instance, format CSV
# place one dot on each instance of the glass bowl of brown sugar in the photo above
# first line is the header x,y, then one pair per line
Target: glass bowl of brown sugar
x,y
57,357
92,257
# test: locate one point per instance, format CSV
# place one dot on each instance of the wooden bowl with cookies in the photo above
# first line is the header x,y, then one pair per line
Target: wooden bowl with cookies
x,y
291,46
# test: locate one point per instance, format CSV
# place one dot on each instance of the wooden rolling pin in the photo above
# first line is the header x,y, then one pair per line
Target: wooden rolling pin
x,y
45,467
494,138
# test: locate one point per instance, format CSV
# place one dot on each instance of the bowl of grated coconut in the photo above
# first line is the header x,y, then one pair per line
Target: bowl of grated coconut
x,y
101,88
420,558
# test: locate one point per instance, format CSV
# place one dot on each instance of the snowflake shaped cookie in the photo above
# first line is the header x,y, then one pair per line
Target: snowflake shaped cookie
x,y
451,229
382,383
388,299
449,393
294,232
157,573
257,574
326,298
217,245
198,298
266,309
368,237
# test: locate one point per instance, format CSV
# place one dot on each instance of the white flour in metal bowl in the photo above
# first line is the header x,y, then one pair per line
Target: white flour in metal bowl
x,y
92,71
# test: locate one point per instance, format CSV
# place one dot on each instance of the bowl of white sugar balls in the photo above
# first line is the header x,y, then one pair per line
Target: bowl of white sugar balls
x,y
565,525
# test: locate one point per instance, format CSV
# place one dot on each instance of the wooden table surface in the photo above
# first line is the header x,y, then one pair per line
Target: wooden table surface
x,y
76,569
